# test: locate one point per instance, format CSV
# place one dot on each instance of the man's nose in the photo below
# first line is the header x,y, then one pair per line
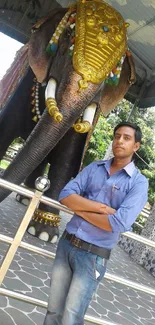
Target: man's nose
x,y
120,140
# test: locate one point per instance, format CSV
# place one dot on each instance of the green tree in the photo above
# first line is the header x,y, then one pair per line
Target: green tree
x,y
99,141
150,174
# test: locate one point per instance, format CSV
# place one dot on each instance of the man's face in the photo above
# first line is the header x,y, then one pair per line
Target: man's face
x,y
124,144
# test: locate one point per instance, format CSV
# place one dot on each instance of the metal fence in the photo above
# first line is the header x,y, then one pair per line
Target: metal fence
x,y
36,197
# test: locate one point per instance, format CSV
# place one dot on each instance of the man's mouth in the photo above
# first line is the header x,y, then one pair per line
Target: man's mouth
x,y
117,147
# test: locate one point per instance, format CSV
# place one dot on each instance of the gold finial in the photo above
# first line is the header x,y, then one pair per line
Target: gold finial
x,y
53,110
127,25
35,118
82,127
83,84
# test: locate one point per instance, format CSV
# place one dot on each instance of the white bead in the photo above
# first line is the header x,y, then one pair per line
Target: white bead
x,y
72,26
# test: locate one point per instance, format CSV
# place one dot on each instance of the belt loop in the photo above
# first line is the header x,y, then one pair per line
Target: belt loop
x,y
89,248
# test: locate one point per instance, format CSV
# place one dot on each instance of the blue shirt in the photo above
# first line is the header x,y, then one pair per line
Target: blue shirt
x,y
125,191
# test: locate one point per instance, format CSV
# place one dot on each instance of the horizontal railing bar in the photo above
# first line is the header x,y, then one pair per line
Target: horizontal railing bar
x,y
30,194
99,321
29,247
107,275
129,283
24,298
139,238
41,303
138,225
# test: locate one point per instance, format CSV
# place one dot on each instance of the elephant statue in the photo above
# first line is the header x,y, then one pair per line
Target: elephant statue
x,y
75,66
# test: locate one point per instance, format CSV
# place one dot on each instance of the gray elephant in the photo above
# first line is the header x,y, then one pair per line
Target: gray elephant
x,y
79,66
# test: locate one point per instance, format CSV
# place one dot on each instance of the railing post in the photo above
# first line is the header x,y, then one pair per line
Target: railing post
x,y
19,235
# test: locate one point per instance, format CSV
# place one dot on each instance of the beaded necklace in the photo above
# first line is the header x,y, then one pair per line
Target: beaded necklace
x,y
35,102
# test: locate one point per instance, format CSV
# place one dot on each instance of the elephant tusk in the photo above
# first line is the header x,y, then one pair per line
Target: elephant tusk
x,y
88,117
50,101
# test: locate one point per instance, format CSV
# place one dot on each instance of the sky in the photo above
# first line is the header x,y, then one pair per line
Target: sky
x,y
8,49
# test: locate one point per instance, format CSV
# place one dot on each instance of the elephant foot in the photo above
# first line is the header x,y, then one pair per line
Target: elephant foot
x,y
44,225
22,199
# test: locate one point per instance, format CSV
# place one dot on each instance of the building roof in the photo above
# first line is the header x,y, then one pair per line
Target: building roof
x,y
17,17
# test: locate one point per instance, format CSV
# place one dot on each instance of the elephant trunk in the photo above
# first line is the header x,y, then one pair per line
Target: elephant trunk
x,y
48,133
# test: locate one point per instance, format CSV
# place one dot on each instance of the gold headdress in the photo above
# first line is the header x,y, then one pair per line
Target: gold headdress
x,y
100,40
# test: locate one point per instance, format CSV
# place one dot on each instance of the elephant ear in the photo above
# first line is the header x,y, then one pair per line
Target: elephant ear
x,y
13,76
111,94
39,59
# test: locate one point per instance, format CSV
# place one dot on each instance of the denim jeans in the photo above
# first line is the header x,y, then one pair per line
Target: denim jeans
x,y
75,276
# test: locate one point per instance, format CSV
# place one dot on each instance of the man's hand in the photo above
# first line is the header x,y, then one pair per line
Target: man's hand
x,y
106,210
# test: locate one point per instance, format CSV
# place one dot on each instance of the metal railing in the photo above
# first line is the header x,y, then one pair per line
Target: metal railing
x,y
36,197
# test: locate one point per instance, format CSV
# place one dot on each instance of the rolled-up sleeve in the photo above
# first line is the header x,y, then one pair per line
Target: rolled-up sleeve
x,y
130,208
78,184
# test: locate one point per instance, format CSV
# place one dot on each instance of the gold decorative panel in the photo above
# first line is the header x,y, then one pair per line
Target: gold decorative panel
x,y
100,40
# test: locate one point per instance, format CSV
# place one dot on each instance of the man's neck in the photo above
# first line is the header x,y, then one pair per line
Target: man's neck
x,y
118,164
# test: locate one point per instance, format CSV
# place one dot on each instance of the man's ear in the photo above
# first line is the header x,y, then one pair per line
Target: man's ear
x,y
136,146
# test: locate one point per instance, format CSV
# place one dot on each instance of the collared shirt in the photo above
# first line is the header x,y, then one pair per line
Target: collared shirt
x,y
125,191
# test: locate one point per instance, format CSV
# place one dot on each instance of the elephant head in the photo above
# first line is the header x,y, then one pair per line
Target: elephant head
x,y
81,55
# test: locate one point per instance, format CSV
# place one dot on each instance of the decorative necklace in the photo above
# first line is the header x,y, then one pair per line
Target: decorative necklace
x,y
35,101
67,20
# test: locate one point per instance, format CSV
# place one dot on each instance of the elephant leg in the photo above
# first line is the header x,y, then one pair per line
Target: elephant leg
x,y
65,160
16,116
30,182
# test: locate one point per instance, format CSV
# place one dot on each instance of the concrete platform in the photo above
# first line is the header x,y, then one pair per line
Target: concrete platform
x,y
30,274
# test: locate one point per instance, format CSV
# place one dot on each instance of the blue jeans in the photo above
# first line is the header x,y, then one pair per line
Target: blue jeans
x,y
75,277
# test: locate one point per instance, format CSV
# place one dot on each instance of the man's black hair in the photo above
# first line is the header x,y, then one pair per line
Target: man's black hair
x,y
138,132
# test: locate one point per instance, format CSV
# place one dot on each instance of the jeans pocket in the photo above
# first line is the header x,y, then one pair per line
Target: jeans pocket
x,y
100,268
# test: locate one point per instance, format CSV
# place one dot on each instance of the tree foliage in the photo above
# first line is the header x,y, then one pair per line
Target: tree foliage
x,y
99,141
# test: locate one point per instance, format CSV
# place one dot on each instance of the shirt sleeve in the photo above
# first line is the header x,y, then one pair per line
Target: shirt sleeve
x,y
130,208
78,185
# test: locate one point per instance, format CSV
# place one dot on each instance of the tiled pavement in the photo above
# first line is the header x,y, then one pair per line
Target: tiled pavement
x,y
30,274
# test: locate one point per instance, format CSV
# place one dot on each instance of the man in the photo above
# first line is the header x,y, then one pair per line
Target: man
x,y
106,198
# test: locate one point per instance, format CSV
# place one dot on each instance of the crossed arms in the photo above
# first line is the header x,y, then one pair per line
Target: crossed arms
x,y
100,214
94,212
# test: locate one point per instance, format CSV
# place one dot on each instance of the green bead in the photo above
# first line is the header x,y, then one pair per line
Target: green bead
x,y
70,53
48,49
